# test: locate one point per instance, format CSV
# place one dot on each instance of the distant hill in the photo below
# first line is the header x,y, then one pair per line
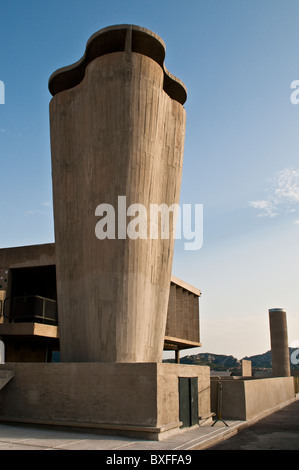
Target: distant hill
x,y
261,360
223,362
214,361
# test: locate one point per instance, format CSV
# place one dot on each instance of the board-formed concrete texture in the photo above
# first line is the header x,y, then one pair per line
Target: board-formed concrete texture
x,y
32,270
244,399
246,368
279,342
117,126
131,399
183,313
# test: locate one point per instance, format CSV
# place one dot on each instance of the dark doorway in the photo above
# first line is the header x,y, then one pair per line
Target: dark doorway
x,y
188,397
33,296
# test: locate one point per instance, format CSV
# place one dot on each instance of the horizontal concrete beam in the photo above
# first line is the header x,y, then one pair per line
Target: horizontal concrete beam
x,y
185,285
28,329
179,343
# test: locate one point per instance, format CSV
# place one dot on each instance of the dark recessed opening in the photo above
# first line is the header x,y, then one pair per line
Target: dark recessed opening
x,y
39,281
33,296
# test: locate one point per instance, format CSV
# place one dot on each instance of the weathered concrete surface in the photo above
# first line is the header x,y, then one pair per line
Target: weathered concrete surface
x,y
28,256
119,38
29,329
246,368
29,342
182,327
279,343
245,399
168,394
277,431
132,399
117,132
5,376
183,313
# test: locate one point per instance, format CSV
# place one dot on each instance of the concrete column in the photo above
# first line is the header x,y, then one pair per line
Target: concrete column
x,y
279,343
117,126
2,353
246,368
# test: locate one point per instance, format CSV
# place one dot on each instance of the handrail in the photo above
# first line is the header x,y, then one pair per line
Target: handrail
x,y
39,312
30,296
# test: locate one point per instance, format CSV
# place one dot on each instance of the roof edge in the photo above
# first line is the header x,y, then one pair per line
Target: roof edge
x,y
118,38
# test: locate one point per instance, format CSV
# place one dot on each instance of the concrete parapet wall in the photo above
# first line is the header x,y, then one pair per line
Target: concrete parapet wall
x,y
245,399
28,256
168,393
134,399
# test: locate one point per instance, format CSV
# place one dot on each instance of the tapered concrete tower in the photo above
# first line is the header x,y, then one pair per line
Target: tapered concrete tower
x,y
279,343
117,126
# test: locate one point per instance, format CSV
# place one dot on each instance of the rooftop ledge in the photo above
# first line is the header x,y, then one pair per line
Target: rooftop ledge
x,y
29,329
119,38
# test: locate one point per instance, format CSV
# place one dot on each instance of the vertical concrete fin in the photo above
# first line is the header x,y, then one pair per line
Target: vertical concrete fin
x,y
128,46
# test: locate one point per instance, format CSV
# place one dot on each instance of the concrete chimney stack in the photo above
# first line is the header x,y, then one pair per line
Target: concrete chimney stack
x,y
117,125
279,343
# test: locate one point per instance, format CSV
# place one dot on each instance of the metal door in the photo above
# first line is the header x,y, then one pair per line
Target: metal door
x,y
188,401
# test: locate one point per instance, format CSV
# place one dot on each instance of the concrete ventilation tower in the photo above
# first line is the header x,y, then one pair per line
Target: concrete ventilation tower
x,y
279,343
117,126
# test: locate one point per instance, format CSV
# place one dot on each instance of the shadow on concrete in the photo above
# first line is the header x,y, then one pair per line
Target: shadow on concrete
x,y
278,431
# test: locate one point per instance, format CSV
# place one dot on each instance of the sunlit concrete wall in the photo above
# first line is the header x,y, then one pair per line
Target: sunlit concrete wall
x,y
140,399
279,343
245,399
117,129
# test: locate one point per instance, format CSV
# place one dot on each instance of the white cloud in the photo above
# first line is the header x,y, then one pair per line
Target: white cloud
x,y
45,206
266,207
287,185
283,190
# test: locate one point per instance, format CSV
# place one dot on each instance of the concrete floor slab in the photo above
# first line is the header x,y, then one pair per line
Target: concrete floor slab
x,y
15,437
278,430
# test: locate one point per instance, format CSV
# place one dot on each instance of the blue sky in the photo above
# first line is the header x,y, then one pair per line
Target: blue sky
x,y
237,59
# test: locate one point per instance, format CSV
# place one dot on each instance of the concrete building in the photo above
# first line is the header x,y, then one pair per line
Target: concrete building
x,y
29,322
108,304
117,126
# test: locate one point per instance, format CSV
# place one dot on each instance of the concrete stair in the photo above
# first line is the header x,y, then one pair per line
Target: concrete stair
x,y
5,376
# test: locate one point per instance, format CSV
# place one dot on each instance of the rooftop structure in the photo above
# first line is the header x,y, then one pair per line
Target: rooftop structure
x,y
117,131
29,321
107,302
103,296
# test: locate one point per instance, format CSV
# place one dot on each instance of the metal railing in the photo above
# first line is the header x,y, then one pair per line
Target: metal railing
x,y
31,308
